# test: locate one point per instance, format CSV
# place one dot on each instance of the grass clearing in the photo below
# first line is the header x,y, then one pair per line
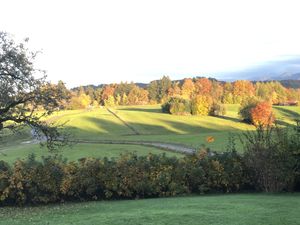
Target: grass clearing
x,y
234,209
149,122
78,151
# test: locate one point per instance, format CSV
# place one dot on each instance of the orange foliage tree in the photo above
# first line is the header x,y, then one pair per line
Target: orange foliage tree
x,y
203,86
108,90
262,115
242,89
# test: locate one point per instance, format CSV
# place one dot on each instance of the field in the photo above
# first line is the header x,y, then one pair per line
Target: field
x,y
138,123
148,124
239,209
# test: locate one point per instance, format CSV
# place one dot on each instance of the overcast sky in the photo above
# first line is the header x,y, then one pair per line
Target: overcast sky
x,y
87,42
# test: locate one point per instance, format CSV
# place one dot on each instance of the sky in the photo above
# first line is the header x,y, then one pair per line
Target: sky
x,y
92,42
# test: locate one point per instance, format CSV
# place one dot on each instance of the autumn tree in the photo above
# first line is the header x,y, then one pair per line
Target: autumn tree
x,y
187,88
217,91
124,99
110,101
107,91
80,101
203,86
137,96
25,96
174,90
227,97
245,109
201,105
262,115
281,95
242,89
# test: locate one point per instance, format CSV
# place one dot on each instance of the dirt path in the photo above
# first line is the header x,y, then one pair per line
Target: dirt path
x,y
123,121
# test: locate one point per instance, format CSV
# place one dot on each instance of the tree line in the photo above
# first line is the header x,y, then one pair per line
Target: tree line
x,y
192,89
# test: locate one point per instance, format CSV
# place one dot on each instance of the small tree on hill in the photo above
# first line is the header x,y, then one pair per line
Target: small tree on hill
x,y
217,109
262,115
245,110
177,106
201,105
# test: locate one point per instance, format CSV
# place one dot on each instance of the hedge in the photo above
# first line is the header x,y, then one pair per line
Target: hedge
x,y
271,163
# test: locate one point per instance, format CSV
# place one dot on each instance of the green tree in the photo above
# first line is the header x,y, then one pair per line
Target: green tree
x,y
153,89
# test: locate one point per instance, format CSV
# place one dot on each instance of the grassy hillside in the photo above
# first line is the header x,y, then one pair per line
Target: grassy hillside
x,y
152,125
239,209
140,123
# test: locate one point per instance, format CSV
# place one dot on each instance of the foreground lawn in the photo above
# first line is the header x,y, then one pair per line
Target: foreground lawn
x,y
239,209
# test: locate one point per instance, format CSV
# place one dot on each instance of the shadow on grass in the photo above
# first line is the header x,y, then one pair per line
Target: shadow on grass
x,y
288,113
117,129
236,120
156,110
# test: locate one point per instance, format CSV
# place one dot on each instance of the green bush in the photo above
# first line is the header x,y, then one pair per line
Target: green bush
x,y
177,106
5,174
36,182
245,109
272,156
217,109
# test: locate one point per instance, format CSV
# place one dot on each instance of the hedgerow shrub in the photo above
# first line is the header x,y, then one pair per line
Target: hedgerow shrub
x,y
127,177
271,163
5,174
35,182
272,157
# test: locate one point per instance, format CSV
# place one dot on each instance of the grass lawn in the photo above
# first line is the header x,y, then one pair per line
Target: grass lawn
x,y
235,209
78,151
149,122
153,125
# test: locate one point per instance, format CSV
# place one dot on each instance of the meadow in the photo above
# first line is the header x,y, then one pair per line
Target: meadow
x,y
147,123
138,123
233,209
